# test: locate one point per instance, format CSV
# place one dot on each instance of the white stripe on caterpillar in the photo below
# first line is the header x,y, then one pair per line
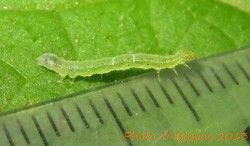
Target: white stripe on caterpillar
x,y
104,65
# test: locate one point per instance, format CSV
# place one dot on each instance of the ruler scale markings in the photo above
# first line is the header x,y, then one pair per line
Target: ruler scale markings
x,y
24,133
84,120
125,104
39,129
247,131
138,100
230,74
166,93
117,120
66,117
51,121
205,81
242,70
197,118
192,85
96,112
8,136
217,78
152,96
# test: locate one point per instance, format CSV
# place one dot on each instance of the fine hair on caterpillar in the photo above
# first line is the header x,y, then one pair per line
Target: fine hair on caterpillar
x,y
105,65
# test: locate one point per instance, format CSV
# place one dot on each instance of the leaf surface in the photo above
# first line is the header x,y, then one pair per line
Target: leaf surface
x,y
91,29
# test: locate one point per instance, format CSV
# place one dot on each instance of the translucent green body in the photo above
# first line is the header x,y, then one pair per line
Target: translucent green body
x,y
104,65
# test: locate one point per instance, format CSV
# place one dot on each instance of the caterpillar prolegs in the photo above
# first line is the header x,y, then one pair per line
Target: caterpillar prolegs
x,y
122,62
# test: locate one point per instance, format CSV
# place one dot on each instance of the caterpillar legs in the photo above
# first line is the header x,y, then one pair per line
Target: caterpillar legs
x,y
63,76
158,73
175,72
187,66
60,80
184,65
72,81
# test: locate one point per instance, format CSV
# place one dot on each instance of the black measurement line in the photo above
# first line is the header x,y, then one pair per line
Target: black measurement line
x,y
247,132
192,85
151,95
205,81
53,124
7,134
230,74
243,70
45,142
125,104
96,112
138,100
25,136
117,120
170,100
186,100
84,120
66,117
217,77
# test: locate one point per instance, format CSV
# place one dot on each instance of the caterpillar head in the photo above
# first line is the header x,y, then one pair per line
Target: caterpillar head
x,y
50,61
186,55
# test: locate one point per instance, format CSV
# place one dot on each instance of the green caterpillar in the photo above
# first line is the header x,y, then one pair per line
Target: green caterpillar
x,y
122,62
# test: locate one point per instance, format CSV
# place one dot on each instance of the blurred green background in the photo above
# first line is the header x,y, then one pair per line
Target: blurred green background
x,y
91,29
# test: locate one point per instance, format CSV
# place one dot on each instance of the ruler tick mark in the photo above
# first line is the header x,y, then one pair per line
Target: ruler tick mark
x,y
7,133
82,116
96,112
230,74
197,118
25,136
205,81
52,123
166,93
117,120
217,77
125,104
138,100
247,132
39,129
66,117
192,85
152,96
243,70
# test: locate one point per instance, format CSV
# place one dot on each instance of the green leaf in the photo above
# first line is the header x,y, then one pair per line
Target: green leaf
x,y
93,29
